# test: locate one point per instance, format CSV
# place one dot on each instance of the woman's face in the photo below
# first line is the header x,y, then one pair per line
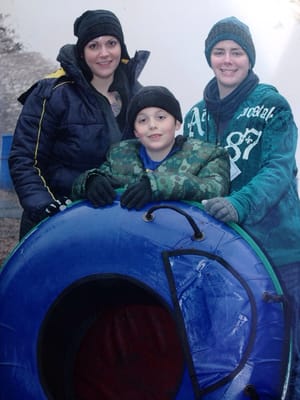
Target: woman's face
x,y
230,64
103,55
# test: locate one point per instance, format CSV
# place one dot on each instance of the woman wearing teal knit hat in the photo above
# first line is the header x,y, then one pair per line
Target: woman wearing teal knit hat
x,y
254,122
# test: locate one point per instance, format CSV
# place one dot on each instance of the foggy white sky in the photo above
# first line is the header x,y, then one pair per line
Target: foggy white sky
x,y
174,31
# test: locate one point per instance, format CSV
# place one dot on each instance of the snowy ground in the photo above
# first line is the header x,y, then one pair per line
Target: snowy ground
x,y
10,213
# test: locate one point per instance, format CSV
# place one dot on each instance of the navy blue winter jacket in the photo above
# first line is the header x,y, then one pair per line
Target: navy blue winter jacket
x,y
66,127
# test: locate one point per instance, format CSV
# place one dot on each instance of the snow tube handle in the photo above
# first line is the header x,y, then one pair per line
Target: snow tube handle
x,y
149,217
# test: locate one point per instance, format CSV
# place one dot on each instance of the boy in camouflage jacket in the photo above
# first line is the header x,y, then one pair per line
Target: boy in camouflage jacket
x,y
158,165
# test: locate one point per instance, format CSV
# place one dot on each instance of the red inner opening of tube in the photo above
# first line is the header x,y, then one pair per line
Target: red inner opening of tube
x,y
131,351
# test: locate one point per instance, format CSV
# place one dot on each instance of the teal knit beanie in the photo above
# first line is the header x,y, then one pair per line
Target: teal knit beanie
x,y
230,28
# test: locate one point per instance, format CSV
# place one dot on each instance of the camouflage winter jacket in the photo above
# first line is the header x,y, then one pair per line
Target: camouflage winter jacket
x,y
196,171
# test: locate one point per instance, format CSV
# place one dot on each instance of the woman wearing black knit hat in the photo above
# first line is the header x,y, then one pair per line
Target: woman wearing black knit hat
x,y
256,125
70,118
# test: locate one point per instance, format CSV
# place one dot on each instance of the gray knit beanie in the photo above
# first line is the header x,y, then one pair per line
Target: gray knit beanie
x,y
153,96
230,28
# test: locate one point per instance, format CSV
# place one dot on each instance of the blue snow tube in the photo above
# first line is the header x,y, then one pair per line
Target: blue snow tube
x,y
162,303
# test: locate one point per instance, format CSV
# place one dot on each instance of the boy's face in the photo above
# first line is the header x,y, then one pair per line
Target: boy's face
x,y
156,128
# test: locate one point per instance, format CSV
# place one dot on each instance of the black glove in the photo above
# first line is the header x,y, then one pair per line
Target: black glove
x,y
221,208
100,190
137,195
50,209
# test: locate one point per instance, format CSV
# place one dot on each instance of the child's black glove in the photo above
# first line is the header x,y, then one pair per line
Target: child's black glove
x,y
137,194
100,190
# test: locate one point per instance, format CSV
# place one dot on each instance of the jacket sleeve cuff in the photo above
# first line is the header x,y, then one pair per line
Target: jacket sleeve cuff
x,y
79,184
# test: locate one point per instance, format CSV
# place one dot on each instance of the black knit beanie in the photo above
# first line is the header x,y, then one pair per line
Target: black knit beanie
x,y
230,29
94,23
153,96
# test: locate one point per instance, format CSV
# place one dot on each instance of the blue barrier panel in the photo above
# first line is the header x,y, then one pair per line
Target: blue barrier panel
x,y
5,178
